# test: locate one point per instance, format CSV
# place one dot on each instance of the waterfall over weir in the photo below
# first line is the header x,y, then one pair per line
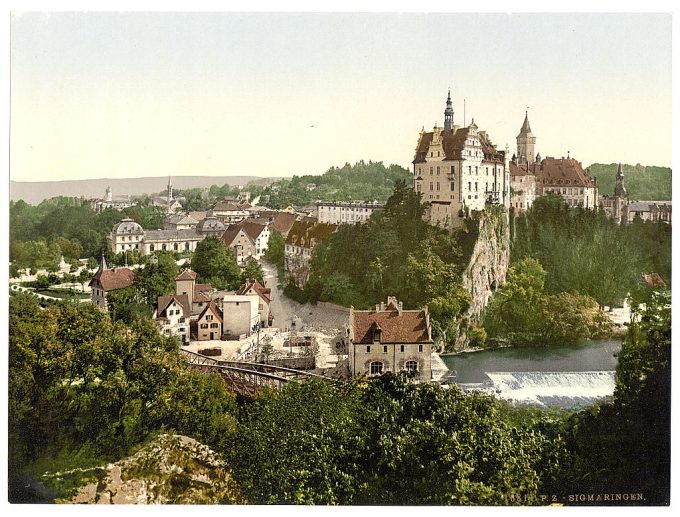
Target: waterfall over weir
x,y
554,389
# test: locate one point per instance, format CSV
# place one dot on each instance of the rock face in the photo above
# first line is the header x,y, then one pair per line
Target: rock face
x,y
171,470
486,270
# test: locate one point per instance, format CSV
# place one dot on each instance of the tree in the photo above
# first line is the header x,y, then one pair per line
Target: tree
x,y
625,445
156,278
275,248
214,263
252,270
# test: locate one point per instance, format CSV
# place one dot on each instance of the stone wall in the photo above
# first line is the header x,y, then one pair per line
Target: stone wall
x,y
486,269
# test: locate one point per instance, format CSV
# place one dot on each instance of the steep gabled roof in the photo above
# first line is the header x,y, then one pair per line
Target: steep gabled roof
x,y
283,222
212,308
264,292
165,301
232,232
112,279
187,274
252,228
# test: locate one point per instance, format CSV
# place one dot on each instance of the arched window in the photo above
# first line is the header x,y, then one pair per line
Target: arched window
x,y
164,247
151,247
186,246
376,368
411,366
176,246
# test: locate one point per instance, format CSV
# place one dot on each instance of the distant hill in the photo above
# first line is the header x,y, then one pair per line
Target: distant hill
x,y
35,192
642,183
363,181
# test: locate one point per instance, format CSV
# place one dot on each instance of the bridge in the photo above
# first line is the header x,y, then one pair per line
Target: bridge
x,y
246,378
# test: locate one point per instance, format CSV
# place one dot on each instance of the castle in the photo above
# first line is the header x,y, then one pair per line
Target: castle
x,y
532,176
458,169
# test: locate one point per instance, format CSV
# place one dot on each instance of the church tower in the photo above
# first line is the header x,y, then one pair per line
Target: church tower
x,y
169,190
620,188
448,115
525,143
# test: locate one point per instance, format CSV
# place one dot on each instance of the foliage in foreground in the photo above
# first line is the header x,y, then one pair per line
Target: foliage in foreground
x,y
387,442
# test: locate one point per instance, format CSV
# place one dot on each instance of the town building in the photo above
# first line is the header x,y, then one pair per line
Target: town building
x,y
237,240
167,202
173,314
300,242
209,323
110,201
128,235
531,176
259,234
282,222
310,186
241,315
229,211
198,295
179,221
106,280
346,212
390,339
624,211
251,288
458,169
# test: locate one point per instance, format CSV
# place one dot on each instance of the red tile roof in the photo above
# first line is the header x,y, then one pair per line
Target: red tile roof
x,y
112,279
252,228
187,274
202,297
232,232
396,326
453,143
555,172
283,222
202,287
309,234
264,292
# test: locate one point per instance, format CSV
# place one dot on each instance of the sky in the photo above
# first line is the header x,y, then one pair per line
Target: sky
x,y
116,95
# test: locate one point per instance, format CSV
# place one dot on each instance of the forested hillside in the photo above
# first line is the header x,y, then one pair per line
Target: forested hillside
x,y
642,183
363,181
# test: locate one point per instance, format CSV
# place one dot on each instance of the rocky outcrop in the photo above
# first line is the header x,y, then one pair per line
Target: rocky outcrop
x,y
486,269
171,470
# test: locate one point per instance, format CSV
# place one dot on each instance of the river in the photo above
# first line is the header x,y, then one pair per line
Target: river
x,y
565,376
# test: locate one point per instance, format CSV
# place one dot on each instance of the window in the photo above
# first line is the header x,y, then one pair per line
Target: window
x,y
214,325
204,325
384,349
469,185
453,186
420,348
411,366
376,368
476,187
437,170
182,320
401,348
437,185
430,170
431,186
431,155
208,318
453,169
368,349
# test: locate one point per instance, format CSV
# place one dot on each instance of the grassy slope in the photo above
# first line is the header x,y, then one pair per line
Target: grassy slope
x,y
642,183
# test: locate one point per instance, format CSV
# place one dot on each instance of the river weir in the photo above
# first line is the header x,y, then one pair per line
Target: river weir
x,y
565,376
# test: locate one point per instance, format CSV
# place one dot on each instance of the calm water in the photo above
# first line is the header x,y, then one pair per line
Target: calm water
x,y
586,357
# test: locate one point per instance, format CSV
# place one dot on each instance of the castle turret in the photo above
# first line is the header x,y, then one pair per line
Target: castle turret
x,y
448,115
525,142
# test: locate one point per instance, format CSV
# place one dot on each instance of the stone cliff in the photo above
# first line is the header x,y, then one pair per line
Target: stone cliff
x,y
486,268
171,470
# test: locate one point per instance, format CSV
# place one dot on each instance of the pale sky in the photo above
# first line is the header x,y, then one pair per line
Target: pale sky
x,y
117,95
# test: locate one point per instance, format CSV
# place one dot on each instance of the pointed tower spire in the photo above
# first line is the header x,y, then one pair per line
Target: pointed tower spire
x,y
620,188
448,114
169,189
525,142
102,263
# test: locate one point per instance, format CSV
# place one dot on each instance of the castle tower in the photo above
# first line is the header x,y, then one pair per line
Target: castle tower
x,y
169,190
525,143
620,188
448,115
